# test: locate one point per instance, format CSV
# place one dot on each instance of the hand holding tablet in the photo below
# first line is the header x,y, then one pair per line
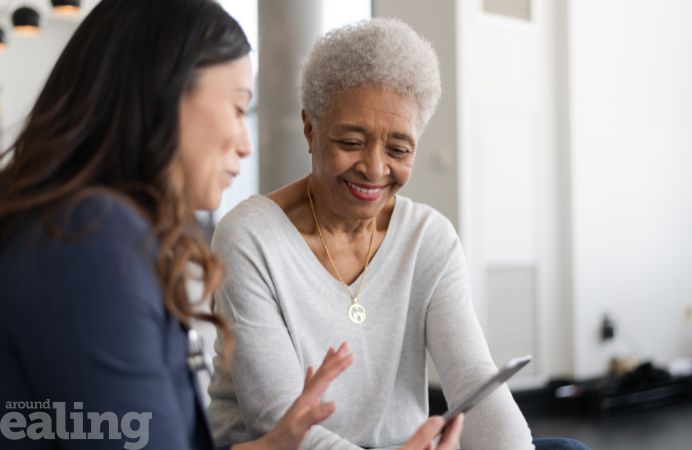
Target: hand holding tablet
x,y
485,389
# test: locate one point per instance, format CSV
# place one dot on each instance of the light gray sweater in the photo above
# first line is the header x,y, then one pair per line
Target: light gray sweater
x,y
286,310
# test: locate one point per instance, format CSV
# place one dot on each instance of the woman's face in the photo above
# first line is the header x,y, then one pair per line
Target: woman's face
x,y
363,151
213,133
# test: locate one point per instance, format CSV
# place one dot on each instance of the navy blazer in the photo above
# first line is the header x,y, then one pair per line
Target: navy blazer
x,y
84,332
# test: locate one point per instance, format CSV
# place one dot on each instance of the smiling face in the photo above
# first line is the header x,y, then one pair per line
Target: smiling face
x,y
213,133
363,151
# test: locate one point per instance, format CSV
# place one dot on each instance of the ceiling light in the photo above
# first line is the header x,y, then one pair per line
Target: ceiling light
x,y
3,40
26,21
68,8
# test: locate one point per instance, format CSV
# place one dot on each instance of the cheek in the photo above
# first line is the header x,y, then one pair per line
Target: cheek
x,y
203,172
335,160
204,183
403,169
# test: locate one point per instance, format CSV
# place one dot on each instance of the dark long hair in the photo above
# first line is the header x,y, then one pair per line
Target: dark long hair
x,y
107,121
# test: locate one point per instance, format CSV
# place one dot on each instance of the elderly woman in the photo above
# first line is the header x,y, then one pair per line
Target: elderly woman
x,y
338,256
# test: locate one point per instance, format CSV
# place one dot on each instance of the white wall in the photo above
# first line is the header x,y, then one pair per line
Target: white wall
x,y
24,68
27,62
631,96
510,146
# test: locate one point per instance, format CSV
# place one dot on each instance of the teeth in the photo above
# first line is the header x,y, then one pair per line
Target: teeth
x,y
364,191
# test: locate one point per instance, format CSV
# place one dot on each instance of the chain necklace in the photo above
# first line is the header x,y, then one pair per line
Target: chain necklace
x,y
356,312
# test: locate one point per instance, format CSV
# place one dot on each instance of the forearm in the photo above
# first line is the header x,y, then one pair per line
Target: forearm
x,y
458,348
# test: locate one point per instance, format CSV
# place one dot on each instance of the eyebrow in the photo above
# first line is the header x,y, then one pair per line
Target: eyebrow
x,y
404,137
350,127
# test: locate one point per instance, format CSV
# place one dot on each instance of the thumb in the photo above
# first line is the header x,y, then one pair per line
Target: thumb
x,y
315,415
425,434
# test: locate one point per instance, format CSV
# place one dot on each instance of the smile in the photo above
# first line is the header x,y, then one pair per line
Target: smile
x,y
363,190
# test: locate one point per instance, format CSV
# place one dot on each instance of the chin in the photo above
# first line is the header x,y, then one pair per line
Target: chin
x,y
210,203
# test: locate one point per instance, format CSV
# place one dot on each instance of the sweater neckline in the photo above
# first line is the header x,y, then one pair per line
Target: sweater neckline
x,y
322,273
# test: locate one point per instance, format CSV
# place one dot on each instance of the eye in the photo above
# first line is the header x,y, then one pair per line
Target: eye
x,y
398,151
241,111
350,145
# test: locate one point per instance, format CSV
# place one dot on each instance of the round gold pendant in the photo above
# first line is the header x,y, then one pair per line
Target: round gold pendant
x,y
356,313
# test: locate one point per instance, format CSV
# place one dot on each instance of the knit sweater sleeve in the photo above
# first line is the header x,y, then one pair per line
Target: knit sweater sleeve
x,y
458,348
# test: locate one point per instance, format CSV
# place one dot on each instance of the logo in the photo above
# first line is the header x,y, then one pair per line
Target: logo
x,y
19,424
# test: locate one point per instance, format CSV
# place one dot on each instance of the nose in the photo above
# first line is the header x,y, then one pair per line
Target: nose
x,y
244,146
373,163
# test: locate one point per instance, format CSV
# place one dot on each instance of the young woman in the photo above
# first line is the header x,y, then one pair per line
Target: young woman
x,y
140,123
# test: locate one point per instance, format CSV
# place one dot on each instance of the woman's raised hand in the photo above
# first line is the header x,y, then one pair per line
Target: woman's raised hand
x,y
307,410
423,438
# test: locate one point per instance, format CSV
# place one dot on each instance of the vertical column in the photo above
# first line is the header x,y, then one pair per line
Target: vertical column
x,y
287,29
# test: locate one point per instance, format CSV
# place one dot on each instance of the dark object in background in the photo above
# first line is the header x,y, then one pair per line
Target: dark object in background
x,y
58,3
644,387
26,17
558,398
607,329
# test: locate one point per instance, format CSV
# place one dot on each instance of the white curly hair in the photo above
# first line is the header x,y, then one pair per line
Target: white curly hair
x,y
381,52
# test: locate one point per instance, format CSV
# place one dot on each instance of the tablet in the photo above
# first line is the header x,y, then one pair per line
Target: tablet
x,y
511,368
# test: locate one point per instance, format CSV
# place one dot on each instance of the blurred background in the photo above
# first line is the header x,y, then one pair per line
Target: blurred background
x,y
562,153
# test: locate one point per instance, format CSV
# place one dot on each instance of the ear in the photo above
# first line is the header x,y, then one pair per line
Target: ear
x,y
307,129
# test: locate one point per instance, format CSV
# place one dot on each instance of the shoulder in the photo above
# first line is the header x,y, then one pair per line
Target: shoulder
x,y
103,229
424,221
106,226
102,257
427,234
97,219
104,214
253,219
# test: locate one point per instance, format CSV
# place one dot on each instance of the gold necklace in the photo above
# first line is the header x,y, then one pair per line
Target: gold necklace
x,y
356,312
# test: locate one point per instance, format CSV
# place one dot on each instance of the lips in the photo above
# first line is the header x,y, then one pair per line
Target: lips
x,y
363,191
229,177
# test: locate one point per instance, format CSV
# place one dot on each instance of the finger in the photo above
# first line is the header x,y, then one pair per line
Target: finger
x,y
341,351
312,395
308,377
330,353
451,434
329,370
313,416
334,357
425,434
326,374
317,385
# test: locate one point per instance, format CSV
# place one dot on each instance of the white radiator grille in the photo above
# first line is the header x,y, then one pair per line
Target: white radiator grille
x,y
516,9
511,315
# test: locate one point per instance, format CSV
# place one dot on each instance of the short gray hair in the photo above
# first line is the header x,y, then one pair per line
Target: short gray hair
x,y
386,53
